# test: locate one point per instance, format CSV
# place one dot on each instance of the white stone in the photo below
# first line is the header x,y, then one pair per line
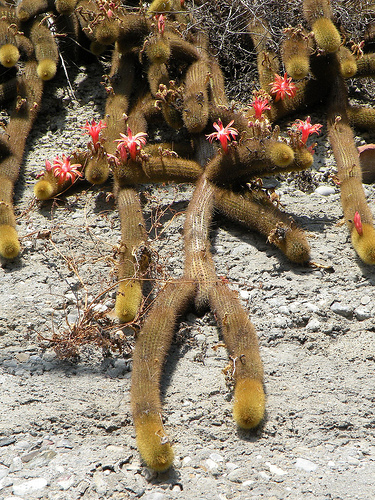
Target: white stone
x,y
365,300
216,457
313,325
211,466
186,461
65,482
244,294
361,313
276,470
30,486
307,465
325,190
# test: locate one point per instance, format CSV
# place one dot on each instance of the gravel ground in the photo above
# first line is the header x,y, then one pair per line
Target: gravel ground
x,y
66,430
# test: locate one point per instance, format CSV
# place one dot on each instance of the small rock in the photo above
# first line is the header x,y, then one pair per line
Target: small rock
x,y
154,496
307,465
186,461
4,471
275,470
342,309
244,294
66,482
361,313
211,466
100,485
16,464
238,475
365,300
216,457
64,443
22,357
313,325
325,190
30,486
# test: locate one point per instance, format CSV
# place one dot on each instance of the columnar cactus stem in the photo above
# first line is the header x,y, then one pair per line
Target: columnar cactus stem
x,y
242,343
159,168
318,14
196,110
133,253
46,51
254,158
22,117
152,346
256,211
353,198
296,49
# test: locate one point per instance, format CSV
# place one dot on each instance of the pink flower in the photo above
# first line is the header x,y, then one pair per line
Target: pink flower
x,y
64,171
358,223
282,86
161,23
223,134
130,144
307,129
260,105
94,130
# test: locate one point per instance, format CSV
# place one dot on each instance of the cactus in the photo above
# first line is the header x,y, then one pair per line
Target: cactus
x,y
353,198
45,47
255,210
20,123
318,14
296,49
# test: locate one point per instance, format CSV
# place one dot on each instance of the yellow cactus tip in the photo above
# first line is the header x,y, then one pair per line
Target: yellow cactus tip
x,y
153,443
249,403
348,68
43,190
298,67
96,175
46,69
9,244
281,154
128,300
326,35
9,55
364,244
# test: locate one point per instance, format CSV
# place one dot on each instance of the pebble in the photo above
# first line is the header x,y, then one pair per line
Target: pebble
x,y
313,325
276,470
325,190
244,294
238,475
211,466
29,486
342,309
65,482
154,496
365,300
361,313
304,464
216,457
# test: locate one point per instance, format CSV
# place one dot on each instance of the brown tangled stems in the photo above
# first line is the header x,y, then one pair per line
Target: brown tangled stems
x,y
163,71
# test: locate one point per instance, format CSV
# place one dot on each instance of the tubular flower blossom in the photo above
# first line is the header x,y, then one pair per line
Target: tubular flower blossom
x,y
94,130
307,129
282,86
161,23
358,223
260,105
223,134
63,170
131,144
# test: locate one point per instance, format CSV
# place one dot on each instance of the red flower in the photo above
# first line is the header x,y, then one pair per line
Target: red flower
x,y
307,129
260,105
161,23
94,130
130,144
63,170
282,86
223,134
358,223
